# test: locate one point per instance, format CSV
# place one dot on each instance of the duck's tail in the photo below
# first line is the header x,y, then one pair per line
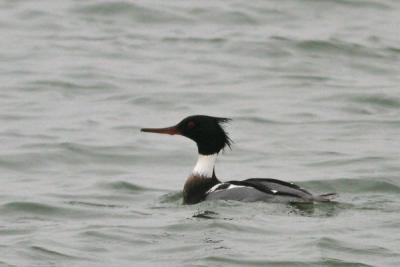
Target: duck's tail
x,y
325,197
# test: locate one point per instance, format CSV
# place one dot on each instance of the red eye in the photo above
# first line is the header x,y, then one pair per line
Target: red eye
x,y
191,125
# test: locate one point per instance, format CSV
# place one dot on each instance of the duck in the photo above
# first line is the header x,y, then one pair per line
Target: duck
x,y
202,184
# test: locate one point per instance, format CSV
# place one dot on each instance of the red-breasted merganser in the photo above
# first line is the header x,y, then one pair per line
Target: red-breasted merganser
x,y
203,184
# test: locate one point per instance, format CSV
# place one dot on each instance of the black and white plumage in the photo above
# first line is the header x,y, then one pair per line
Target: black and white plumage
x,y
203,184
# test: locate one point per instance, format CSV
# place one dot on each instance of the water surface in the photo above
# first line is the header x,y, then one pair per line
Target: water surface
x,y
313,91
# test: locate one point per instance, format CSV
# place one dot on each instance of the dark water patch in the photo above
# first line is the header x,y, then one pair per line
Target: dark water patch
x,y
338,47
149,100
16,134
17,117
34,160
32,15
395,50
228,210
69,86
195,40
235,261
345,249
329,153
186,97
257,120
117,236
173,197
31,207
313,78
374,5
207,214
365,185
95,205
52,253
379,100
124,186
377,202
25,208
360,110
106,154
325,209
359,249
220,222
10,162
52,84
351,122
106,171
224,16
131,11
14,231
236,17
331,262
365,100
3,263
94,196
345,162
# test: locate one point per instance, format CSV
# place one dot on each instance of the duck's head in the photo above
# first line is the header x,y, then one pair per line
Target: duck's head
x,y
206,131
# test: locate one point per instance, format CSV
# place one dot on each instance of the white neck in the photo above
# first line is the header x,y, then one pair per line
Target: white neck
x,y
205,165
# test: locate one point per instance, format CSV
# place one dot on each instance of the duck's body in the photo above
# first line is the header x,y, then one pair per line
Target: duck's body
x,y
249,190
203,184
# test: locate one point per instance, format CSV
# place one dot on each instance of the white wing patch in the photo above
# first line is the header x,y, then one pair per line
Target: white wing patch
x,y
231,186
212,189
274,191
216,188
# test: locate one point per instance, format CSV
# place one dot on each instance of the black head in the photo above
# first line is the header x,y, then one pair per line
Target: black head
x,y
206,131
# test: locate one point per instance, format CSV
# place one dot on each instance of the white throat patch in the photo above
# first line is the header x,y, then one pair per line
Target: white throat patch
x,y
205,165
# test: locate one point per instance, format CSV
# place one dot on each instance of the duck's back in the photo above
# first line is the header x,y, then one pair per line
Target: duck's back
x,y
261,189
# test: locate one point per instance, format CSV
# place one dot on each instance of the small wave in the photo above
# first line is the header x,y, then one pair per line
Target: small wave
x,y
353,185
377,100
67,153
115,235
206,214
321,210
335,46
395,50
53,253
31,207
257,120
195,40
38,210
3,263
67,85
338,245
17,117
347,161
131,11
124,186
92,204
82,153
34,208
364,103
232,261
174,197
317,78
364,4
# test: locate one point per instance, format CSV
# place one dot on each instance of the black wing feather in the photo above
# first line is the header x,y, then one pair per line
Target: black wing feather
x,y
258,184
271,180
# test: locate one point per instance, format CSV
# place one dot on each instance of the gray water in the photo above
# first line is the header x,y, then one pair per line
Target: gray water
x,y
313,91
